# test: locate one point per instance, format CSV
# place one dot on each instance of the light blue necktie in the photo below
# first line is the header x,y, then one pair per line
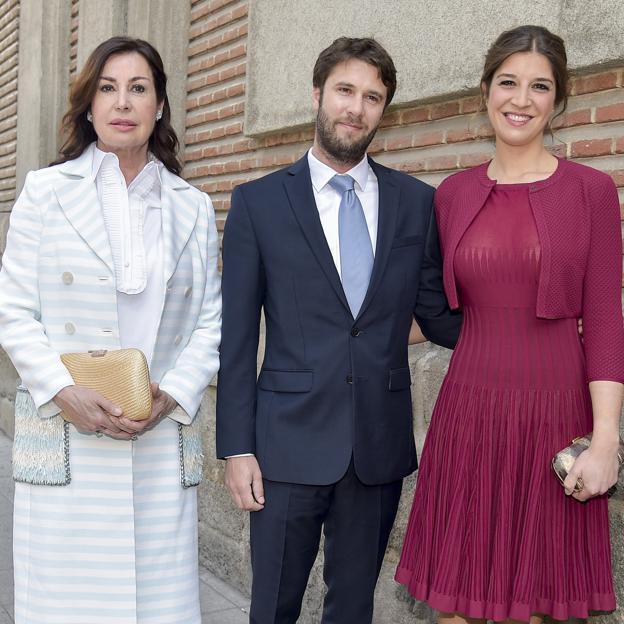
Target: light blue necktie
x,y
356,251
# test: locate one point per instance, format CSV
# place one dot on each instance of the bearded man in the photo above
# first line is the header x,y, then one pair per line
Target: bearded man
x,y
342,255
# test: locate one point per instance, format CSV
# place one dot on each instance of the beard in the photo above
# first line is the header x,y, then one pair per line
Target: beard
x,y
342,151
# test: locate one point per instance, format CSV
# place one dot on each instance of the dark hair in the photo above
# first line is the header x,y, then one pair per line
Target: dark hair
x,y
78,132
367,50
530,39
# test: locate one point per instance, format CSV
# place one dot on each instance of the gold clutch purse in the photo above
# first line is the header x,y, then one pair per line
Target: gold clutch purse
x,y
564,460
121,376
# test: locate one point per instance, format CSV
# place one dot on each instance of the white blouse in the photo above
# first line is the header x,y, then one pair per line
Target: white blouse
x,y
133,220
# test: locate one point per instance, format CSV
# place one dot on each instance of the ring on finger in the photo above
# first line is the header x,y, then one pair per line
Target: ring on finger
x,y
98,433
579,485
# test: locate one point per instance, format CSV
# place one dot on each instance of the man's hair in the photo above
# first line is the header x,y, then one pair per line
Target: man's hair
x,y
367,50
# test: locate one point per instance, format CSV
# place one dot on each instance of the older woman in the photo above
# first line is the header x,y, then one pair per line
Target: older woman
x,y
108,248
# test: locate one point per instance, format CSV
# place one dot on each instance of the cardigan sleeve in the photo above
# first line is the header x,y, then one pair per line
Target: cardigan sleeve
x,y
603,329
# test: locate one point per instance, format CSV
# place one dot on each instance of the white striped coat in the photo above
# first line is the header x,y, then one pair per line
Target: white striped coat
x,y
57,295
117,544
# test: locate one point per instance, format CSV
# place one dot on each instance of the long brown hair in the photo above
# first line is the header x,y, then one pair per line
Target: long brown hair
x,y
78,131
530,39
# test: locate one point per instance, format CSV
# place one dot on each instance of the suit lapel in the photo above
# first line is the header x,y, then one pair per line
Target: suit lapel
x,y
298,187
179,215
78,198
389,195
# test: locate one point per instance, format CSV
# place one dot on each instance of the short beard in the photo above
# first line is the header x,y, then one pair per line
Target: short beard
x,y
340,151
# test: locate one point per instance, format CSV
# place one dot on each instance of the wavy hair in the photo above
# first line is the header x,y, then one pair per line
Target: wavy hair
x,y
78,131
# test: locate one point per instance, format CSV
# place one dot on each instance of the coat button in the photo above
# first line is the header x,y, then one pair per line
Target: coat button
x,y
68,278
188,292
70,328
177,340
355,332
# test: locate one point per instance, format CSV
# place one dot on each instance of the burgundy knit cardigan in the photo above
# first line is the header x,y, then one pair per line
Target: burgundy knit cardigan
x,y
577,214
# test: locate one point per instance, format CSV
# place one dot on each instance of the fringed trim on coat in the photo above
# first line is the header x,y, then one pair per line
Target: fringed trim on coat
x,y
41,447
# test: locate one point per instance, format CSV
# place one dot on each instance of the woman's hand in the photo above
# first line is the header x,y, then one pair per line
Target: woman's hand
x,y
162,405
90,412
597,467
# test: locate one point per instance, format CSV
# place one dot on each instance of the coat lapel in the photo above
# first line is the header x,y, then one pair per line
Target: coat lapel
x,y
389,195
298,187
179,215
78,198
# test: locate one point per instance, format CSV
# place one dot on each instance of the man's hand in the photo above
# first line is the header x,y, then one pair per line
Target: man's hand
x,y
243,479
162,405
90,412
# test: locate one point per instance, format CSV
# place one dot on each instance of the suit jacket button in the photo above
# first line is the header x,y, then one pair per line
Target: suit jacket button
x,y
70,328
355,332
178,340
349,379
188,291
68,278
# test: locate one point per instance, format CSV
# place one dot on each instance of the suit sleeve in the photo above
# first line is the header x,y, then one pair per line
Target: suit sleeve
x,y
198,362
22,334
603,330
437,321
243,293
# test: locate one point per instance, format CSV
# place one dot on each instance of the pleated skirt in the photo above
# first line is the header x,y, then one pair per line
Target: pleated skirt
x,y
118,545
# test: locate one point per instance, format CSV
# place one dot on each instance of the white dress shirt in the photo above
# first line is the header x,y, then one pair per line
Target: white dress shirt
x,y
133,220
328,200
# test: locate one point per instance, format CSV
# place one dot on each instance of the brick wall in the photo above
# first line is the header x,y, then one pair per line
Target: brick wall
x,y
429,141
9,14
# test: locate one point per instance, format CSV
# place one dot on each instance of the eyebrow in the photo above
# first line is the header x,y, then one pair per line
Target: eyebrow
x,y
131,79
514,76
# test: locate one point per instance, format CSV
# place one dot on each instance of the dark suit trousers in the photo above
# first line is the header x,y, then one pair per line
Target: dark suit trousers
x,y
356,520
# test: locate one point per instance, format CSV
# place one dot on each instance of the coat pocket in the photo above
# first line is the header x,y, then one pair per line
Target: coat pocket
x,y
286,380
399,379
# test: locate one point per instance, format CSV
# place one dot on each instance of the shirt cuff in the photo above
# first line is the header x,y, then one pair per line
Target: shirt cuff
x,y
240,455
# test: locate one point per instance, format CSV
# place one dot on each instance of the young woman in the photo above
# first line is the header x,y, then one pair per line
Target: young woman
x,y
531,243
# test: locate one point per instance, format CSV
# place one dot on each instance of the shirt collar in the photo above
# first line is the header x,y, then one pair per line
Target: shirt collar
x,y
321,174
99,157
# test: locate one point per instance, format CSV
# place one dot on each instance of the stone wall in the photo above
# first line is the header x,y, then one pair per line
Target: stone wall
x,y
430,135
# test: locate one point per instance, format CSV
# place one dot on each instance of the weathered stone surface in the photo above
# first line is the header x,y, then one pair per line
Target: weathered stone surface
x,y
426,39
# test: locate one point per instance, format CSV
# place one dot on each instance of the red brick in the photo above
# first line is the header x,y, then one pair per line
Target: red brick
x,y
472,160
441,163
470,105
412,166
484,131
572,118
378,145
615,112
618,177
462,134
415,115
596,82
619,145
591,147
446,109
391,119
398,143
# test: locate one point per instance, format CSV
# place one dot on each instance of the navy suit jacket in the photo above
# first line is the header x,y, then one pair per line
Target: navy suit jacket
x,y
331,387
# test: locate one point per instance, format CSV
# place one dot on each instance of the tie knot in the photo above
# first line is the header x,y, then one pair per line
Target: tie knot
x,y
342,183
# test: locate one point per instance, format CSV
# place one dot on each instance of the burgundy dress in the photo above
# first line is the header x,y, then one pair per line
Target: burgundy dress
x,y
491,533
